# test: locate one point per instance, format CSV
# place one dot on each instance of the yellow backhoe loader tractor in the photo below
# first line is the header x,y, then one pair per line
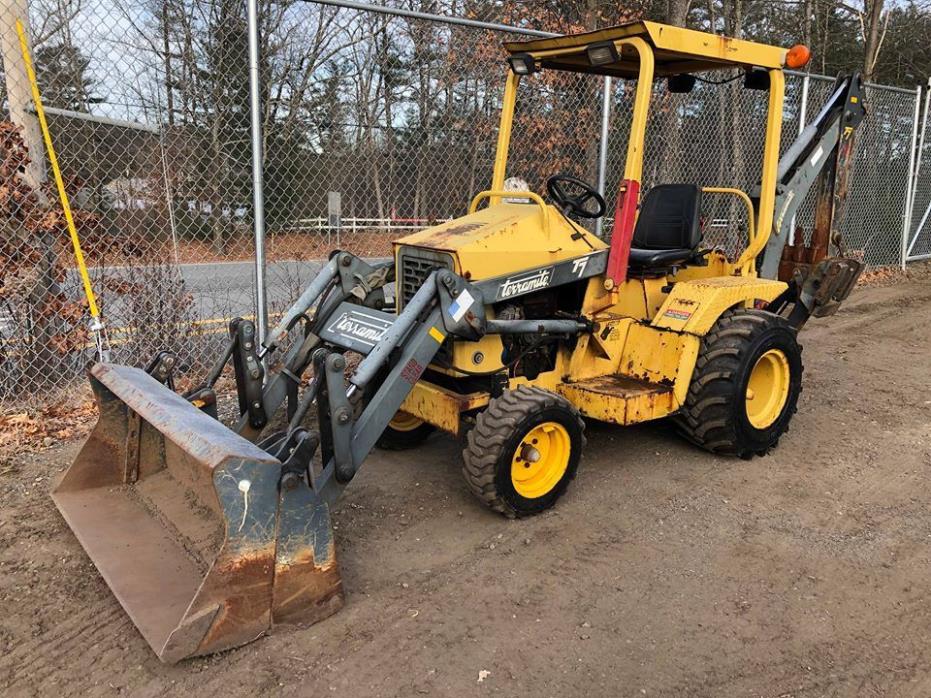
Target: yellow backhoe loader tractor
x,y
512,323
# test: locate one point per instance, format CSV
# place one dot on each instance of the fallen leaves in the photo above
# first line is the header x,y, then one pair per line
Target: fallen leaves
x,y
39,430
877,276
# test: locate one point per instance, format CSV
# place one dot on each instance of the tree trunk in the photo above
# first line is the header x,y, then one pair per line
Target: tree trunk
x,y
166,47
871,39
676,12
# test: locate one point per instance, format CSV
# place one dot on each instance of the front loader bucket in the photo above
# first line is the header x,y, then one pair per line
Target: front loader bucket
x,y
185,521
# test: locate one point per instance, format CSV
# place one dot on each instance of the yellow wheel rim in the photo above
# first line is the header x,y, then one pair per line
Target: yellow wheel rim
x,y
768,388
402,421
540,460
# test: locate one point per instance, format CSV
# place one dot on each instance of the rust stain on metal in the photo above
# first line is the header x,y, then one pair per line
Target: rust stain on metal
x,y
460,229
620,399
443,234
203,503
625,387
307,590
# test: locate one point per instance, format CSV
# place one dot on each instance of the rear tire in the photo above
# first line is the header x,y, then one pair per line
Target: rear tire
x,y
745,386
404,432
523,451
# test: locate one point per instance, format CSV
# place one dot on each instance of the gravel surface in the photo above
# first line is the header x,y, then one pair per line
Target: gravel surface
x,y
663,571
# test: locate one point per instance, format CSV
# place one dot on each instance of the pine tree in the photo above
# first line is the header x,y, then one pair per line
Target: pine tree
x,y
61,70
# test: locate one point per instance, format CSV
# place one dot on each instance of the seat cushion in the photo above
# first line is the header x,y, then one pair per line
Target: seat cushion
x,y
668,223
647,259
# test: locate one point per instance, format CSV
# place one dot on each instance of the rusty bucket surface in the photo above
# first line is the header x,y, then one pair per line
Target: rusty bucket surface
x,y
184,520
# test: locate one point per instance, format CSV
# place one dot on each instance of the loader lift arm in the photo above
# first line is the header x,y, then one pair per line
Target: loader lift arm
x,y
396,350
232,530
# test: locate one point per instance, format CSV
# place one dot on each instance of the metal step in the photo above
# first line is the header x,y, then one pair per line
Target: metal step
x,y
620,399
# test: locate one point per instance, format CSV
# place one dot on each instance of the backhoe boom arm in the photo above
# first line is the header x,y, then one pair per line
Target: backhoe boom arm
x,y
820,154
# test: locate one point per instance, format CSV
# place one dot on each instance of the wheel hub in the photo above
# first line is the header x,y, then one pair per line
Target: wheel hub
x,y
768,388
540,460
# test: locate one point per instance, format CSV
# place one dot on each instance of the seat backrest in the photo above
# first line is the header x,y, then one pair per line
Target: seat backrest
x,y
669,218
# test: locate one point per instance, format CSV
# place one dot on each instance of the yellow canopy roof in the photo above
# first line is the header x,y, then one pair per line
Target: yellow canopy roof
x,y
676,50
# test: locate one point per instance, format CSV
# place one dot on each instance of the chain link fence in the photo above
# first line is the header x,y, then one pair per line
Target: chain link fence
x,y
374,126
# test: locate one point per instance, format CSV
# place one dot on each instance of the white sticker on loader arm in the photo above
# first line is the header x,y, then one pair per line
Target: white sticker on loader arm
x,y
817,156
461,305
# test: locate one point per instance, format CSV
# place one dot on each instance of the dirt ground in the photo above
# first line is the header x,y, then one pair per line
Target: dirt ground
x,y
664,570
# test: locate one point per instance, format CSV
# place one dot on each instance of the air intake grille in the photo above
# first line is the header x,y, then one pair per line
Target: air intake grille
x,y
416,266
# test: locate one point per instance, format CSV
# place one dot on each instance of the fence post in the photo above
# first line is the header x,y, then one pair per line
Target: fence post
x,y
919,156
258,193
912,157
914,184
802,118
17,89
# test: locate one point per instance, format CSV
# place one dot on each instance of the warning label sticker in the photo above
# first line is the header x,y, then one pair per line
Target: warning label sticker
x,y
678,314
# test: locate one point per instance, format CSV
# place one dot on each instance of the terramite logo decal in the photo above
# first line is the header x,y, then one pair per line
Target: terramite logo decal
x,y
362,327
525,283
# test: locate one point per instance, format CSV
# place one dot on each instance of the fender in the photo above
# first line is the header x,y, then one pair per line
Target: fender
x,y
694,306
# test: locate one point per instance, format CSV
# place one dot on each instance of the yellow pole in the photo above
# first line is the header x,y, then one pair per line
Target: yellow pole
x,y
764,216
633,166
504,134
66,207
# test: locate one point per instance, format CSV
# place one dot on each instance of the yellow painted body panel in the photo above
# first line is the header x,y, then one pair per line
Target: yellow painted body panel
x,y
676,47
505,239
599,353
661,357
628,371
490,348
638,361
618,399
441,407
714,46
718,265
694,306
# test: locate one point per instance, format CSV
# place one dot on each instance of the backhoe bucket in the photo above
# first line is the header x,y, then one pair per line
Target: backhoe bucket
x,y
186,523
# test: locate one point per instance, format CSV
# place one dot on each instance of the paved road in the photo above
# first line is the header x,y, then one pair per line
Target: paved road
x,y
219,290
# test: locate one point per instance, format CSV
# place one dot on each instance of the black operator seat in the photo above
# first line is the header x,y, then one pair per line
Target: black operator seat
x,y
667,233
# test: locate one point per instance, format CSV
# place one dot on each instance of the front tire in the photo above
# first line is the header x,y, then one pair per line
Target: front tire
x,y
745,386
523,451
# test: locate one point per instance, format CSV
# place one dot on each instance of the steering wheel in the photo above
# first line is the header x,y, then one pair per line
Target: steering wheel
x,y
574,197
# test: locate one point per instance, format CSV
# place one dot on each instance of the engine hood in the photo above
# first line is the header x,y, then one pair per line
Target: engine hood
x,y
505,238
